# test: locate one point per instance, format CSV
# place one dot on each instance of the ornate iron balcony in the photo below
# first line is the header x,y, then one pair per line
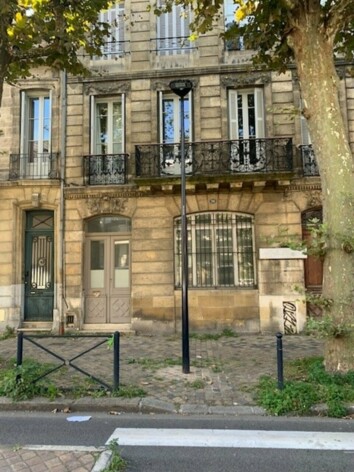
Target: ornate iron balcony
x,y
105,169
34,166
244,156
309,160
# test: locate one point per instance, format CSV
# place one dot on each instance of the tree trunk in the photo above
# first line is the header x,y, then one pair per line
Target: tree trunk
x,y
319,88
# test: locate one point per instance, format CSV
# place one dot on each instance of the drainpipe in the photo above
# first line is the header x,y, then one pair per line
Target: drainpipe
x,y
61,246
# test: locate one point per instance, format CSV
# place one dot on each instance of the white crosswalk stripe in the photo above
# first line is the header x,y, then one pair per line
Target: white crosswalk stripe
x,y
233,438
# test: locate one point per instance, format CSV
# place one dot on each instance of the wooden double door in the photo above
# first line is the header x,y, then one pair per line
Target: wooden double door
x,y
107,279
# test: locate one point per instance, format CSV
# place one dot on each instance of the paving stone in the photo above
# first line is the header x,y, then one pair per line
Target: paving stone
x,y
229,367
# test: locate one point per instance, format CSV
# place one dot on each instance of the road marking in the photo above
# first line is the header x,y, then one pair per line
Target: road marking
x,y
233,438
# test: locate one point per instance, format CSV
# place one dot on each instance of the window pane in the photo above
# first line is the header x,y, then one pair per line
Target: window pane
x,y
108,224
245,255
204,257
168,121
220,250
117,128
121,264
97,264
225,256
101,128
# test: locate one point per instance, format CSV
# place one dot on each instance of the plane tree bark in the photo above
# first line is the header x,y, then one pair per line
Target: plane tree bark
x,y
311,35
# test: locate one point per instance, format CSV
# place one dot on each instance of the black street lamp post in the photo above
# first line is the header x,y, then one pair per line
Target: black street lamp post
x,y
182,88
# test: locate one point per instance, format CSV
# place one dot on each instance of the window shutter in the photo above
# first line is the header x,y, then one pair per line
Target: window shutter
x,y
50,119
190,100
92,125
160,97
123,122
233,118
24,121
259,111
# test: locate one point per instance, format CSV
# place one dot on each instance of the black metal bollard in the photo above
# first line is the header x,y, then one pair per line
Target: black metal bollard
x,y
116,343
280,361
19,358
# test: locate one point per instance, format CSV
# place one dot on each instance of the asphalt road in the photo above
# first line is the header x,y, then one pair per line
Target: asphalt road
x,y
19,429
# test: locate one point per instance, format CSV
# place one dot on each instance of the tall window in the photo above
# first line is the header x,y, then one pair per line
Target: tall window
x,y
220,250
35,124
235,43
246,122
107,121
173,31
115,44
170,131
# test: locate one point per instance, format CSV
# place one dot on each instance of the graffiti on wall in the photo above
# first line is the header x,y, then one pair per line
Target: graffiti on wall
x,y
289,317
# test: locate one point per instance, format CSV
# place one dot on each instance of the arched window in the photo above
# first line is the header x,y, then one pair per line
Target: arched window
x,y
220,250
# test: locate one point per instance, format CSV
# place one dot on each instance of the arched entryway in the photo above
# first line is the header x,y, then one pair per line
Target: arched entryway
x,y
107,270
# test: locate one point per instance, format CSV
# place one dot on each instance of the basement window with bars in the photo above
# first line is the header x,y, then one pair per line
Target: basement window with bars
x,y
220,250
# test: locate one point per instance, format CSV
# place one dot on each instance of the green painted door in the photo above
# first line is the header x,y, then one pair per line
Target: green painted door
x,y
39,286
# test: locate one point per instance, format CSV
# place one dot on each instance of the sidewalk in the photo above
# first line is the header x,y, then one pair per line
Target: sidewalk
x,y
221,381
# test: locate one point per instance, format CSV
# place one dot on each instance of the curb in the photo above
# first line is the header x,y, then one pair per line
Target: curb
x,y
138,405
102,462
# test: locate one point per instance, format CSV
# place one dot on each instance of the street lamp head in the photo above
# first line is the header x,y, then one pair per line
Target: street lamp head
x,y
181,87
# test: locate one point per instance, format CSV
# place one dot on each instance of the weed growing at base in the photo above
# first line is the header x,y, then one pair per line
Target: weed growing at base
x,y
117,463
306,384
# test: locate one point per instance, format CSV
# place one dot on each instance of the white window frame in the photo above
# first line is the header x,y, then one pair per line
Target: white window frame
x,y
114,46
169,156
173,31
237,254
259,112
110,132
247,151
26,97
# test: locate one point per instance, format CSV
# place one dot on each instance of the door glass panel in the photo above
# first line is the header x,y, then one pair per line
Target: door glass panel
x,y
121,264
41,262
108,224
97,264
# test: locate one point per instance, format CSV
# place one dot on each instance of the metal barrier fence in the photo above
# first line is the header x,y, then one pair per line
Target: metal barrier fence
x,y
69,362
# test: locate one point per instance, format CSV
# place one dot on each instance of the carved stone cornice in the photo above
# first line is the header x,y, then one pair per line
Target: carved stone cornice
x,y
245,79
165,84
71,194
107,88
107,204
314,198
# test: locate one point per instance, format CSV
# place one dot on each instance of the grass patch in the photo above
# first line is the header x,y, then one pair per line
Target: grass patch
x,y
9,332
18,382
117,463
197,384
156,364
129,391
306,384
225,333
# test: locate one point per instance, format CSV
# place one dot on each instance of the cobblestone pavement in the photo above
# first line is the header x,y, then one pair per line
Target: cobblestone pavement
x,y
24,460
223,375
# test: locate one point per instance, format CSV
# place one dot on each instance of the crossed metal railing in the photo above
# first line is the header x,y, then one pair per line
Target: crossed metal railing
x,y
69,362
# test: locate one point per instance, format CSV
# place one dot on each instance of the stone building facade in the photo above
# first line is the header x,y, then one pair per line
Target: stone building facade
x,y
90,200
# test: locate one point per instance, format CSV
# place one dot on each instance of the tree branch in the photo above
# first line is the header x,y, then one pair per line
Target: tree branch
x,y
339,15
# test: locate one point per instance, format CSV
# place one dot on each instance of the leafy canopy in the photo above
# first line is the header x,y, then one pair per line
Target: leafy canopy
x,y
268,26
49,32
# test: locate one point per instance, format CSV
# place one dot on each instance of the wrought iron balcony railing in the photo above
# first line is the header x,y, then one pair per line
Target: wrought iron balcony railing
x,y
105,169
34,166
309,163
244,156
